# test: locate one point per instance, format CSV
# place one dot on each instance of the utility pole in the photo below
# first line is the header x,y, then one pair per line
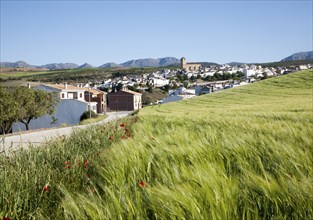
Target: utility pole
x,y
89,100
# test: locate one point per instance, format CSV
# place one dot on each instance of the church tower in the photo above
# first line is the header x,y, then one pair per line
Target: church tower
x,y
183,62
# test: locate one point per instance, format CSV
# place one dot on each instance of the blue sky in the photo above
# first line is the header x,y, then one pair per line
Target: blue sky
x,y
97,32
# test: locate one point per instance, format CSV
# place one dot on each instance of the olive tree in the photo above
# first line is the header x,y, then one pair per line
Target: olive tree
x,y
33,104
8,111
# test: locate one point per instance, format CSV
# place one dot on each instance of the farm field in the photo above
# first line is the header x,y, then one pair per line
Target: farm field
x,y
75,75
242,153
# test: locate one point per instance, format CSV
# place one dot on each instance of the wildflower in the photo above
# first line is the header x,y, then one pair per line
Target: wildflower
x,y
66,163
123,137
6,218
69,167
127,131
102,131
86,163
142,184
111,138
122,125
46,188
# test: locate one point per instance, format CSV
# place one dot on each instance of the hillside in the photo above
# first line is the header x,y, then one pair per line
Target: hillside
x,y
300,56
150,62
18,64
244,150
235,154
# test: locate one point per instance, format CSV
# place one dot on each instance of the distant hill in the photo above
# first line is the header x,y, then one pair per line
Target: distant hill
x,y
150,62
300,56
110,65
58,66
207,64
235,63
18,64
86,66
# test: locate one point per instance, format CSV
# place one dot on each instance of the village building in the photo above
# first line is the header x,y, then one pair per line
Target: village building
x,y
94,98
124,100
74,101
189,66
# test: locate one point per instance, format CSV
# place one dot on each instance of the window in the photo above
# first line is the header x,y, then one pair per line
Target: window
x,y
62,95
81,95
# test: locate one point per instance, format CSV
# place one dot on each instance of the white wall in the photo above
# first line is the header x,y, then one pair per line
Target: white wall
x,y
67,111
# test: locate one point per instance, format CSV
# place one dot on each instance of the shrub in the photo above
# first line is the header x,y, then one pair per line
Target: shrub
x,y
88,114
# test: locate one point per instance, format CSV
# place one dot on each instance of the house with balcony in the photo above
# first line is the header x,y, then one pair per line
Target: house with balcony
x,y
94,98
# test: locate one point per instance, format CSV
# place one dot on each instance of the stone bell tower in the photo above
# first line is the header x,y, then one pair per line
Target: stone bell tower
x,y
183,62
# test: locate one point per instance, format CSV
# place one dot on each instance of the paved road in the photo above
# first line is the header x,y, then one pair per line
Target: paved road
x,y
22,140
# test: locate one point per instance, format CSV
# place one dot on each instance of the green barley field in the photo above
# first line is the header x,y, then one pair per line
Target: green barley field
x,y
242,153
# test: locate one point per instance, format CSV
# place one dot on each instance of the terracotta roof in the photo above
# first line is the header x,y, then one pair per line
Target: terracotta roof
x,y
70,87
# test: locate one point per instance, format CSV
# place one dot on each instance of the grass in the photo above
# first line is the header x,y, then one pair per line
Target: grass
x,y
15,75
243,153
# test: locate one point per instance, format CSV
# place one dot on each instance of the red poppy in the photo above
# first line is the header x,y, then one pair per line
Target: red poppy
x,y
142,184
111,138
6,218
102,131
122,125
66,163
69,167
46,188
86,163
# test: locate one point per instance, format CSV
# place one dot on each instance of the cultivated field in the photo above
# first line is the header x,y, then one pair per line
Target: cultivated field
x,y
75,75
243,153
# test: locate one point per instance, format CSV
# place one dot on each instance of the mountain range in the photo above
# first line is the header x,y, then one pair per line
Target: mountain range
x,y
148,62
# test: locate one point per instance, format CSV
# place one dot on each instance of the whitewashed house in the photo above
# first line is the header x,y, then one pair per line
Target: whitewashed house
x,y
74,101
160,82
247,72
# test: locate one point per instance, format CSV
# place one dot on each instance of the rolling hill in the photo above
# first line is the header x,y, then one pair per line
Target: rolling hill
x,y
241,153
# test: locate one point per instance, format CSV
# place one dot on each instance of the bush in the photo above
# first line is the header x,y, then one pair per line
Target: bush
x,y
87,115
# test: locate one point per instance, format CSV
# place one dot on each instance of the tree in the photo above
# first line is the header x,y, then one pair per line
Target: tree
x,y
186,83
34,104
193,78
265,75
166,88
150,89
8,109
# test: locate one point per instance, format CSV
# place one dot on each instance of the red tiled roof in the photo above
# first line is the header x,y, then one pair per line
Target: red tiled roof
x,y
70,87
